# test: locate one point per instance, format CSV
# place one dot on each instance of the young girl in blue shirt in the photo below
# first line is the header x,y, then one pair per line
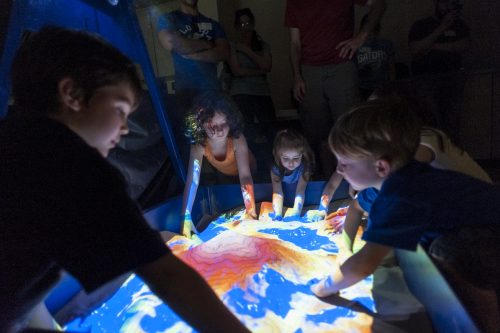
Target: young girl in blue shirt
x,y
292,169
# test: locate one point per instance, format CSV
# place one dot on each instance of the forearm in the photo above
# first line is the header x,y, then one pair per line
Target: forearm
x,y
454,47
192,182
351,272
377,10
277,195
424,45
298,203
264,62
187,293
214,54
295,51
354,269
329,190
278,204
177,42
300,195
351,224
248,197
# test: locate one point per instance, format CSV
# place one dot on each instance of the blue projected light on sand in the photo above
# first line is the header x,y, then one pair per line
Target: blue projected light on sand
x,y
262,270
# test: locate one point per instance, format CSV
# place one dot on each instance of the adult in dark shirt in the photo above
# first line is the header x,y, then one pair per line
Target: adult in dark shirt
x,y
437,44
375,62
62,205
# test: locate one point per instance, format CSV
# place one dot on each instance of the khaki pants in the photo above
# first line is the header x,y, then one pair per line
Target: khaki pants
x,y
331,90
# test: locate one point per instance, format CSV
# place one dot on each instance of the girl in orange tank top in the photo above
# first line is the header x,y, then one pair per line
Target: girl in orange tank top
x,y
214,127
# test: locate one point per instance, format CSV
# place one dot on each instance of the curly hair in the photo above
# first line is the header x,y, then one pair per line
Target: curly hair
x,y
292,139
203,110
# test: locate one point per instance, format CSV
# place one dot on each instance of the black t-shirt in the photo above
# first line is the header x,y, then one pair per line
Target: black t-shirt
x,y
62,206
434,61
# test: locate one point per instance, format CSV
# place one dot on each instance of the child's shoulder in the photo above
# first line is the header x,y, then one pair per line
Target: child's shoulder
x,y
240,141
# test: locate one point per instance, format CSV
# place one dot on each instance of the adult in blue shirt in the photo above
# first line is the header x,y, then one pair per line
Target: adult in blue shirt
x,y
197,43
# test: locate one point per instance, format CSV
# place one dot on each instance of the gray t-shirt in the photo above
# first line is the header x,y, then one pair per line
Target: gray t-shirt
x,y
249,85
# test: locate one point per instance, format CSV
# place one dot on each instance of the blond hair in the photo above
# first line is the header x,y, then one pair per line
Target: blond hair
x,y
383,129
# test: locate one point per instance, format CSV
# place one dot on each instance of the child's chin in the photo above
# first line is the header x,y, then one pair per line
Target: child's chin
x,y
358,187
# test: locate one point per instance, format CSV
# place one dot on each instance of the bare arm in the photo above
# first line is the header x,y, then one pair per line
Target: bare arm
x,y
458,46
220,52
246,181
299,87
299,196
349,47
326,197
190,189
352,223
424,154
357,267
329,190
264,61
187,293
277,196
239,70
422,46
175,41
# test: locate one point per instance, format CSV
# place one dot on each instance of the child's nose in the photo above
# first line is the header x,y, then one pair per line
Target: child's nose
x,y
124,128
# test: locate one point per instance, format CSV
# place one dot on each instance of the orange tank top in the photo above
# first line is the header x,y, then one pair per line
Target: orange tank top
x,y
227,166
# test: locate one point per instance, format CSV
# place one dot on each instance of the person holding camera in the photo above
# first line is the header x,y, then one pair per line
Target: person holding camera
x,y
437,44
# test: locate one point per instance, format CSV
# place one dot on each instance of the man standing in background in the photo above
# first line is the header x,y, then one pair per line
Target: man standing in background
x,y
437,44
197,44
325,83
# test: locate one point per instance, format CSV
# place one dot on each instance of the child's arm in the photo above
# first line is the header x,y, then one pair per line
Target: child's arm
x,y
357,267
190,189
246,181
277,196
424,154
326,197
299,197
351,224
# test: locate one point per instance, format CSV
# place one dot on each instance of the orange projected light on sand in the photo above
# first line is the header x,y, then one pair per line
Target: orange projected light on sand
x,y
262,270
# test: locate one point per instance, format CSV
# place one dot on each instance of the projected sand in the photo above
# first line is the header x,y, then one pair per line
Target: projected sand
x,y
262,271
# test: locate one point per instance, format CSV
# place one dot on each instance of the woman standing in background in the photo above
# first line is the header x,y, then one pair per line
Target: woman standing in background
x,y
249,62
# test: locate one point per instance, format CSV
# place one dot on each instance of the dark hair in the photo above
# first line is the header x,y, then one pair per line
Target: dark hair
x,y
291,139
55,53
256,43
386,128
204,108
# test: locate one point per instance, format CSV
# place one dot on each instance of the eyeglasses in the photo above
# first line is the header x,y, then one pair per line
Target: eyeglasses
x,y
245,24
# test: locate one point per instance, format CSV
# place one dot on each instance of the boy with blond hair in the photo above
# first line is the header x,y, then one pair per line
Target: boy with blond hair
x,y
62,205
374,144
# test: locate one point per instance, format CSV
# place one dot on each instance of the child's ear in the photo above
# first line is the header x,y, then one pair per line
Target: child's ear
x,y
383,168
68,94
